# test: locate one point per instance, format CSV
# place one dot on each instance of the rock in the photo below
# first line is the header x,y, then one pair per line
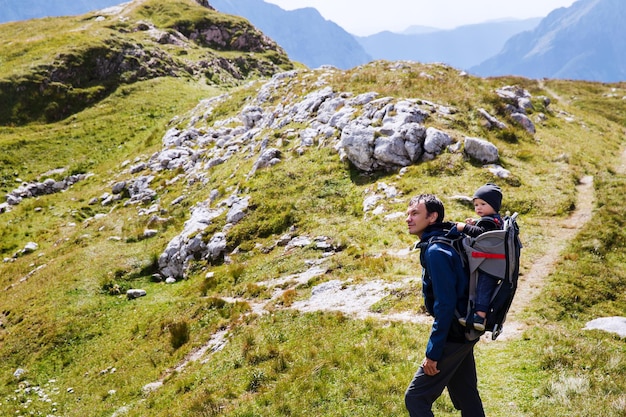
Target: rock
x,y
491,121
526,123
135,293
512,93
250,115
481,150
284,240
153,386
436,141
237,210
608,324
498,171
30,247
188,244
298,241
268,157
525,104
216,246
357,144
140,191
35,189
118,187
370,202
306,108
138,168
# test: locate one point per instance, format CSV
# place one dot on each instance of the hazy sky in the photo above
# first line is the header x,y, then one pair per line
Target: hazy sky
x,y
365,17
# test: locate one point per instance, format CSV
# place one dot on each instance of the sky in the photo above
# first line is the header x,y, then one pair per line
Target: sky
x,y
366,17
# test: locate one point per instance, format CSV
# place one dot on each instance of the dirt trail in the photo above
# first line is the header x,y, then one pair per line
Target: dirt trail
x,y
531,282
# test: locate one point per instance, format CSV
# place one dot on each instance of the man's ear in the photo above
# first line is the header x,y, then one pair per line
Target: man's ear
x,y
432,217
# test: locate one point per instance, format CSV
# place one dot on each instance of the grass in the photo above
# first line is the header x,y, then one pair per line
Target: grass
x,y
92,351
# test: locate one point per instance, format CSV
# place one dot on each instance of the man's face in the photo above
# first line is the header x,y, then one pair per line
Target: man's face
x,y
418,218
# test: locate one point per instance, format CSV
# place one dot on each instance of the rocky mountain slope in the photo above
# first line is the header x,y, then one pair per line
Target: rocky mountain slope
x,y
96,53
166,246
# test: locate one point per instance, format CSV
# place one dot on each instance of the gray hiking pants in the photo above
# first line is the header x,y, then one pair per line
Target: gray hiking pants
x,y
457,371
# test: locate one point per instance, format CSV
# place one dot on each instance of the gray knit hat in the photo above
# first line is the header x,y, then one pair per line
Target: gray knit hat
x,y
492,194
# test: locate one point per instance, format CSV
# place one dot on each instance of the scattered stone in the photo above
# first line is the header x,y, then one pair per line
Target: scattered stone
x,y
481,150
153,386
35,189
525,122
30,247
135,293
118,187
491,121
498,171
609,324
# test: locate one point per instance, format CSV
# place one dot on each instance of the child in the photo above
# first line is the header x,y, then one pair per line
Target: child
x,y
487,202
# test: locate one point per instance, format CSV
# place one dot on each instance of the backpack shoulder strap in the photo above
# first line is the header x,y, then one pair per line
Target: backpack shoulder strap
x,y
456,244
495,222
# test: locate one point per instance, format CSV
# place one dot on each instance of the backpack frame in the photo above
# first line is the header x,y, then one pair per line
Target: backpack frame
x,y
497,254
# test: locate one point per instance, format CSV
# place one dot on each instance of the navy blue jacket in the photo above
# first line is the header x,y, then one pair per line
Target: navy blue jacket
x,y
445,287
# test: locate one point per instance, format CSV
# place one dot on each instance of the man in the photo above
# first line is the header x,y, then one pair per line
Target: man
x,y
449,360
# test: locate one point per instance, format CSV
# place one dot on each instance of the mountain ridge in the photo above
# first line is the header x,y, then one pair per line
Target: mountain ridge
x,y
462,47
579,42
304,33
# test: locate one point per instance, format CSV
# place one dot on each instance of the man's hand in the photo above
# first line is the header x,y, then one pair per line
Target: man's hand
x,y
430,367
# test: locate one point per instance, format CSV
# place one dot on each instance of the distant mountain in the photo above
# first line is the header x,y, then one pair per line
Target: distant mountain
x,y
417,30
15,10
463,47
305,35
584,41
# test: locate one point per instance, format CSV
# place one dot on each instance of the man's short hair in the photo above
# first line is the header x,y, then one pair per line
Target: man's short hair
x,y
432,204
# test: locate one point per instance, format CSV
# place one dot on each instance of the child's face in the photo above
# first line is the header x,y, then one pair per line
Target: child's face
x,y
482,208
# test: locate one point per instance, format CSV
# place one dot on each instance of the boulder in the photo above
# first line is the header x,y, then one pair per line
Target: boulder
x,y
481,150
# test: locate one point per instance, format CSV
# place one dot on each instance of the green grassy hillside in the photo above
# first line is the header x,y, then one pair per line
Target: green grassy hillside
x,y
220,342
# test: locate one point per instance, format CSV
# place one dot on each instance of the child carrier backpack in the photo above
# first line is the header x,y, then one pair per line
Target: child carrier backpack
x,y
496,253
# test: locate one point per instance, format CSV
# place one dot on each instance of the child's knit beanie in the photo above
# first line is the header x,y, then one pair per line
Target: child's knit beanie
x,y
492,194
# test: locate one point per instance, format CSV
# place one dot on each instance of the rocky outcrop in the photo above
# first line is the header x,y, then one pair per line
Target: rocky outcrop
x,y
190,243
518,103
371,133
35,189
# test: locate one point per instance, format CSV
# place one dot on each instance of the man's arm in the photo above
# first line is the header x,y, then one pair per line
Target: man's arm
x,y
443,273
